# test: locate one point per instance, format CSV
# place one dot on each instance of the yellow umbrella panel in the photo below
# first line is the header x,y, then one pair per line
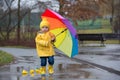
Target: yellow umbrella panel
x,y
63,41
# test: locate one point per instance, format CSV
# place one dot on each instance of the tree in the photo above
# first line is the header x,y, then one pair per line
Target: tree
x,y
18,27
78,10
116,18
12,17
89,9
7,15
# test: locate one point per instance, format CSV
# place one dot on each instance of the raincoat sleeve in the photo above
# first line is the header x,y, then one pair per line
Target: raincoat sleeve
x,y
40,41
53,38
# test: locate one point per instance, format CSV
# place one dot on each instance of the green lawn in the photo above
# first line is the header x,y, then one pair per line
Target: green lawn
x,y
5,58
105,42
98,26
95,31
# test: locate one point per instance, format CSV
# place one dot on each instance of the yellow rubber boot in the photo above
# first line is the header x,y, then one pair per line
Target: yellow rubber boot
x,y
43,70
50,69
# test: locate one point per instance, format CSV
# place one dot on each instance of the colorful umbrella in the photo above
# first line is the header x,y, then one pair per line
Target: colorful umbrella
x,y
66,39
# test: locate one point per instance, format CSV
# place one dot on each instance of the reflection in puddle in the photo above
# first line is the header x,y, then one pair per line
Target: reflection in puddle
x,y
74,71
65,71
62,71
115,58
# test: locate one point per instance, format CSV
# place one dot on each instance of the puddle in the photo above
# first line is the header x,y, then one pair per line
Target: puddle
x,y
62,71
65,69
114,58
73,71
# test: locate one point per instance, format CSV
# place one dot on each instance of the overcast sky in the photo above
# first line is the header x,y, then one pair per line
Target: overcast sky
x,y
29,3
55,3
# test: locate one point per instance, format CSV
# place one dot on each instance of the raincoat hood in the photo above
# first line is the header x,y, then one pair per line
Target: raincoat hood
x,y
45,23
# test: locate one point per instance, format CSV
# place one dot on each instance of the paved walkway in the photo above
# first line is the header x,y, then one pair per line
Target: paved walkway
x,y
65,68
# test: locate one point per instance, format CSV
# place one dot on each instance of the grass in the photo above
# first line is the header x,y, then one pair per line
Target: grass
x,y
94,31
112,42
5,58
99,26
105,42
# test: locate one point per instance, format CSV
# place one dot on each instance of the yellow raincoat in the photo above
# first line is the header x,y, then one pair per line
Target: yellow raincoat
x,y
43,44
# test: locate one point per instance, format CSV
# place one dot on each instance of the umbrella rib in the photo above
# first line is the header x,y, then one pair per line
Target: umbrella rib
x,y
61,32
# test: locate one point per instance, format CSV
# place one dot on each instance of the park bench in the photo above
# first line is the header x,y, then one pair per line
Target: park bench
x,y
91,37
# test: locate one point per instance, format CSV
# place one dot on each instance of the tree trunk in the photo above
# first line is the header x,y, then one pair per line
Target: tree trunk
x,y
8,26
112,12
18,28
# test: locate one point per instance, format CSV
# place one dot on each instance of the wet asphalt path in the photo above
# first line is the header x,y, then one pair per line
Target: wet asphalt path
x,y
65,68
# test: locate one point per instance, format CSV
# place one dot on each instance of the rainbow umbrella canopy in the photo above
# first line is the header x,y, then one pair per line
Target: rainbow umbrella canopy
x,y
65,33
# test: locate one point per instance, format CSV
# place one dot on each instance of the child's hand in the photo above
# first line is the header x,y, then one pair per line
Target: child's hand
x,y
53,40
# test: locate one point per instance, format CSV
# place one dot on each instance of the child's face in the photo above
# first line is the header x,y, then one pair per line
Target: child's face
x,y
44,29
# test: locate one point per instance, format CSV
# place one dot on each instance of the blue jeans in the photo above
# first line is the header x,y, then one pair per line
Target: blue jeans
x,y
44,60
